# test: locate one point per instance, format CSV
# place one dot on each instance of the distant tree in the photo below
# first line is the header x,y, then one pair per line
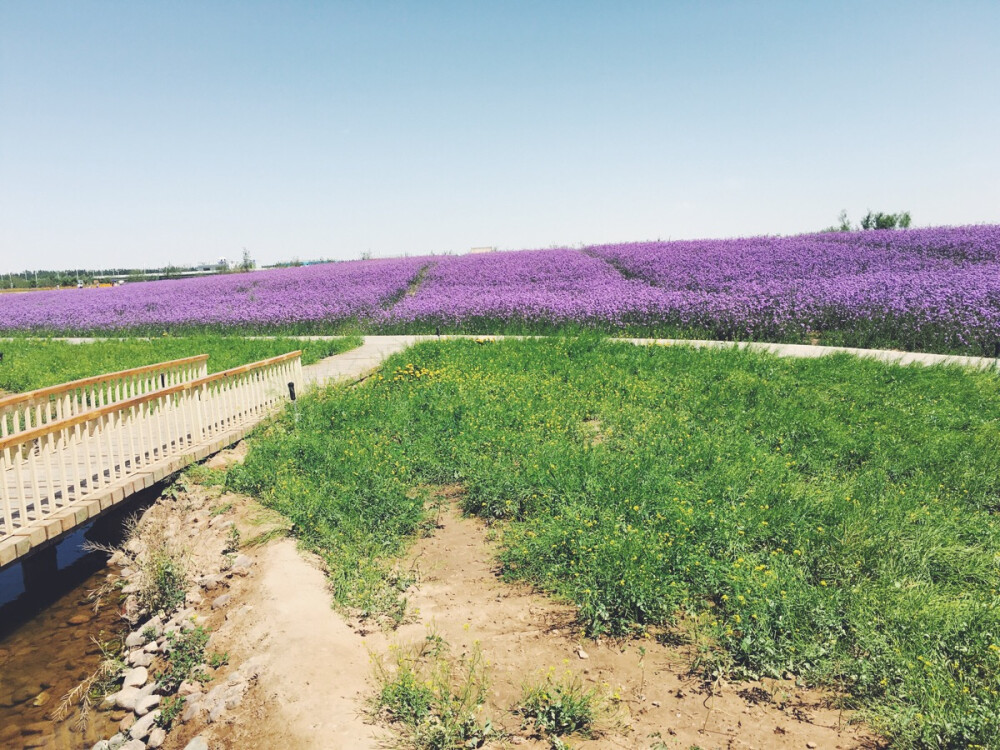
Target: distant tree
x,y
843,225
248,263
879,220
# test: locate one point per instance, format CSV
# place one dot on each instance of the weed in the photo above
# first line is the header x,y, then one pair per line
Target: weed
x,y
216,659
208,477
170,709
232,541
168,581
432,698
219,510
101,682
185,657
560,707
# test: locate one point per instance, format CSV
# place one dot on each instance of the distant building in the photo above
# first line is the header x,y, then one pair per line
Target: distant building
x,y
476,250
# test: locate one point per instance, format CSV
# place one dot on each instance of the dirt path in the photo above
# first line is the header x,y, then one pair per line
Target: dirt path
x,y
313,669
315,672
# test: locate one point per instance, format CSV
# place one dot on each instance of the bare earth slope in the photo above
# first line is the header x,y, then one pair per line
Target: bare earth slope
x,y
314,667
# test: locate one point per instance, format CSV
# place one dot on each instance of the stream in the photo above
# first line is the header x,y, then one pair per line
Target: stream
x,y
50,636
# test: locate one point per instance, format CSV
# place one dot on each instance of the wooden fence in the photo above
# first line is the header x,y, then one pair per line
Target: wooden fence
x,y
25,411
63,472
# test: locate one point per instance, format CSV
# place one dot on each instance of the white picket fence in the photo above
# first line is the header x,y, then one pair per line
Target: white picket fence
x,y
62,472
23,411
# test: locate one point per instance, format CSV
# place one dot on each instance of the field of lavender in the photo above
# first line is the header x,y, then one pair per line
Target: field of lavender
x,y
932,289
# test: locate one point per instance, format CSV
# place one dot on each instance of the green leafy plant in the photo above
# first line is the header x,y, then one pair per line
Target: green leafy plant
x,y
185,657
432,698
559,707
170,709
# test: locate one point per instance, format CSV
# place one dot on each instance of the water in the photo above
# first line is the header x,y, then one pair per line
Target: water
x,y
47,640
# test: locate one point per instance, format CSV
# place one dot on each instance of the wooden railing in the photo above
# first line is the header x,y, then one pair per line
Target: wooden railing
x,y
20,412
47,471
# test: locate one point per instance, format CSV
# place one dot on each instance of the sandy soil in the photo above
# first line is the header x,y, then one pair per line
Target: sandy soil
x,y
315,670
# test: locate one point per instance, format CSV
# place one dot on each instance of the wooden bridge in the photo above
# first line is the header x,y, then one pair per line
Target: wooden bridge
x,y
70,452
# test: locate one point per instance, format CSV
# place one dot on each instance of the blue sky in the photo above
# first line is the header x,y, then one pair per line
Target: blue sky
x,y
139,134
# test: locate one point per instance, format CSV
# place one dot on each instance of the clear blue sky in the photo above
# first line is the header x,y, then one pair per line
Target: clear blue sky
x,y
142,133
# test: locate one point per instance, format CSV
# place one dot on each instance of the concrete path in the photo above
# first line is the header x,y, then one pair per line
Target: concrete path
x,y
356,363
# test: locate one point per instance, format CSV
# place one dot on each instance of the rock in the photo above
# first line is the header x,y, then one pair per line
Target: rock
x,y
78,620
41,699
151,648
117,741
209,582
189,688
811,745
156,737
136,677
134,745
102,745
193,598
131,608
192,707
147,691
135,639
198,743
126,723
140,658
108,702
141,729
23,693
243,561
221,601
582,654
130,588
240,570
144,705
127,697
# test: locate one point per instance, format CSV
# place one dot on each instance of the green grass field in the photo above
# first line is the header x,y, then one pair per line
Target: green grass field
x,y
835,518
35,363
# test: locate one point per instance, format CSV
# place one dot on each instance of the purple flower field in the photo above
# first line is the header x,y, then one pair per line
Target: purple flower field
x,y
284,297
921,289
936,289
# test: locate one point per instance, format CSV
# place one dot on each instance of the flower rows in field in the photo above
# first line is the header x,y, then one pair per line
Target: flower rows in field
x,y
553,287
331,293
929,288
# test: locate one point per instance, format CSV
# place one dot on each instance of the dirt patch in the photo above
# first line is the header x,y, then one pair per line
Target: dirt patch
x,y
658,704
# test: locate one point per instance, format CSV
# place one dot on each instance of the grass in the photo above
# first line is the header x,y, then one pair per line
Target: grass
x,y
834,518
35,363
